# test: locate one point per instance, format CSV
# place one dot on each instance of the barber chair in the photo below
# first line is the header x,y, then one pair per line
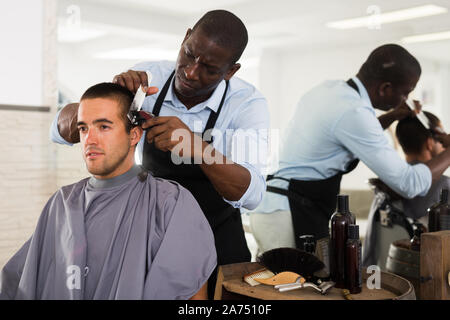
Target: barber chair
x,y
386,223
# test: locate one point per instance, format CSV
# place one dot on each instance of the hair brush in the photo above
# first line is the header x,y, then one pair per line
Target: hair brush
x,y
291,259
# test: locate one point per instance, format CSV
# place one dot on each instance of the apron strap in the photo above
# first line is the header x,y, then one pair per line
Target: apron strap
x,y
214,115
162,95
352,84
271,177
281,191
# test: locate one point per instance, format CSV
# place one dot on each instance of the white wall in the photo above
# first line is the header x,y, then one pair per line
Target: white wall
x,y
21,53
78,70
27,159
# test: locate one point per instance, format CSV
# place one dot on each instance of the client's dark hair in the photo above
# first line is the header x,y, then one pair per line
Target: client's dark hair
x,y
116,92
226,30
412,135
390,63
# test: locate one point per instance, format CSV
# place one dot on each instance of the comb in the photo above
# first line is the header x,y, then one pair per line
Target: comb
x,y
260,274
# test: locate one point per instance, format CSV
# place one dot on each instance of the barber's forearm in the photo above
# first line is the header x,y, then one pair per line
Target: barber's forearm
x,y
231,180
439,164
387,119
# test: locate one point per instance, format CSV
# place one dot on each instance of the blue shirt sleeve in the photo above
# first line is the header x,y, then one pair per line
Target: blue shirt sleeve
x,y
360,132
250,149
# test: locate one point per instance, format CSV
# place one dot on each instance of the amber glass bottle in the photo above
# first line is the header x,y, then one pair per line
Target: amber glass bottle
x,y
340,221
439,214
353,260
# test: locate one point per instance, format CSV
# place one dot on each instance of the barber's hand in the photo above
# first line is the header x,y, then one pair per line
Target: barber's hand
x,y
133,79
168,132
403,111
67,123
444,139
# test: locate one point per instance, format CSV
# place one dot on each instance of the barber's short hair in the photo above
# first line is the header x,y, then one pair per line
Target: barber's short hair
x,y
225,29
115,92
412,135
390,63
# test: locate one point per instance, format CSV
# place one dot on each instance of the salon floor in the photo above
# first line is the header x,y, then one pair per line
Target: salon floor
x,y
254,247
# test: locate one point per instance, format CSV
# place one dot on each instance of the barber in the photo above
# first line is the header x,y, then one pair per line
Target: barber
x,y
197,94
334,127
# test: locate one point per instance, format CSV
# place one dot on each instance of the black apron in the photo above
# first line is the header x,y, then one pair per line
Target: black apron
x,y
224,219
312,203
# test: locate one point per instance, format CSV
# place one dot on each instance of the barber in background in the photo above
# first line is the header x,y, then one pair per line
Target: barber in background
x,y
334,127
199,93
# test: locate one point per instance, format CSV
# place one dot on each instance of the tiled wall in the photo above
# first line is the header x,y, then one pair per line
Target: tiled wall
x,y
31,169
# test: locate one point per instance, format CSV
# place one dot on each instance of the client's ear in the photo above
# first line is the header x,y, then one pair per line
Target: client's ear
x,y
135,135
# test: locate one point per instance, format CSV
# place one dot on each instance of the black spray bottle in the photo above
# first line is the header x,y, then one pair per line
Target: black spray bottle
x,y
439,214
353,260
308,243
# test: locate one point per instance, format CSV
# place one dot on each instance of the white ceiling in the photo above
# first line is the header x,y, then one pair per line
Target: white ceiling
x,y
275,25
180,7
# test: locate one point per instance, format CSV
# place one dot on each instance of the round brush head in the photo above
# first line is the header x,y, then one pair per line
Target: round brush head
x,y
290,259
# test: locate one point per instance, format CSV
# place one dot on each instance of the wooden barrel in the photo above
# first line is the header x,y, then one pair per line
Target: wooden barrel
x,y
404,262
230,285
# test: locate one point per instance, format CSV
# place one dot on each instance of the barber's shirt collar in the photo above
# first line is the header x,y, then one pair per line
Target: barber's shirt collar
x,y
212,103
362,91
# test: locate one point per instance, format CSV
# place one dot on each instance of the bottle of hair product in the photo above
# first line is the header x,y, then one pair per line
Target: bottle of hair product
x,y
308,243
441,208
415,241
353,260
444,219
340,221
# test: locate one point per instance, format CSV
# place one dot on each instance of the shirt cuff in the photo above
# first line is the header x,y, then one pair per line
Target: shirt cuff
x,y
254,193
54,133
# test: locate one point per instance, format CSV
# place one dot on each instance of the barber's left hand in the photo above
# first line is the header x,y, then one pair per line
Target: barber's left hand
x,y
403,111
443,138
168,132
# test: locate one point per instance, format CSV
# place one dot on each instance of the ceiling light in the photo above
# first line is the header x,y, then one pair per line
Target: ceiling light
x,y
138,53
375,16
436,36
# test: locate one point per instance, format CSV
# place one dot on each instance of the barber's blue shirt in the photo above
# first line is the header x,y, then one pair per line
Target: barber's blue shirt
x,y
243,123
332,126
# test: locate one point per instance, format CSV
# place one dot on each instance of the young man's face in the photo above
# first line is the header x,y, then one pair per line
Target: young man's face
x,y
107,148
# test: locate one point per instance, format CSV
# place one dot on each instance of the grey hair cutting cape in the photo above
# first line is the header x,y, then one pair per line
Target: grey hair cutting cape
x,y
120,238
